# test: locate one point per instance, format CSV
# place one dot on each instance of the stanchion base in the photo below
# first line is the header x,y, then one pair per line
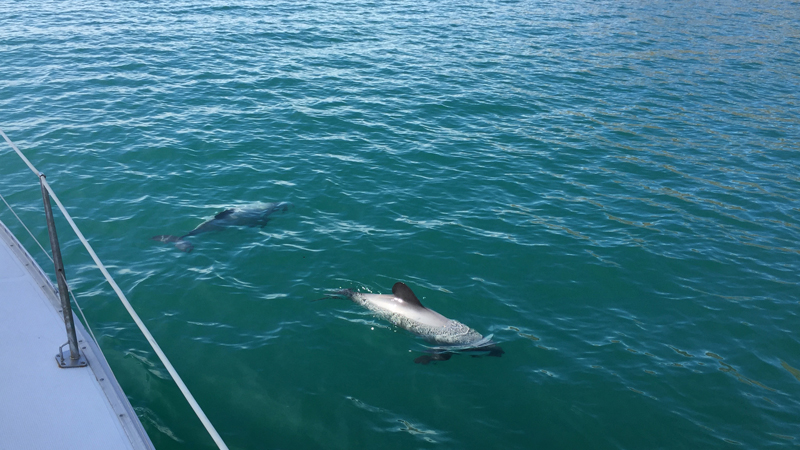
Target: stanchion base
x,y
65,361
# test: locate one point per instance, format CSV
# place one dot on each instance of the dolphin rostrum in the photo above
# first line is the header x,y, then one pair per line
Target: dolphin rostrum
x,y
404,310
255,215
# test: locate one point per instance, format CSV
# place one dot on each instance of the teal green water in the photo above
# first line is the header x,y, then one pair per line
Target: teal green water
x,y
609,188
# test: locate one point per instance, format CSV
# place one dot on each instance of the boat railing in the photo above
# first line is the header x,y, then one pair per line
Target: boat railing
x,y
74,359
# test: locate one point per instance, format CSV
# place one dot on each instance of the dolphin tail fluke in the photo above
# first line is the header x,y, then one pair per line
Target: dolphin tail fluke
x,y
180,243
338,294
166,238
347,293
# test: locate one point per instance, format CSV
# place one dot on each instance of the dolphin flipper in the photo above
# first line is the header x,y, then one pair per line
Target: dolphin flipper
x,y
495,350
492,350
425,359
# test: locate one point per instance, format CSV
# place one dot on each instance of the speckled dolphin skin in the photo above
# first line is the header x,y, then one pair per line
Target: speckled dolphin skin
x,y
254,215
404,310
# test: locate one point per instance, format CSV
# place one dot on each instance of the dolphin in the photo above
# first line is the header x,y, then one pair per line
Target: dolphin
x,y
404,310
255,215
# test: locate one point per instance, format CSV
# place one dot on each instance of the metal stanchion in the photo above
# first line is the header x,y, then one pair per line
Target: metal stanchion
x,y
74,358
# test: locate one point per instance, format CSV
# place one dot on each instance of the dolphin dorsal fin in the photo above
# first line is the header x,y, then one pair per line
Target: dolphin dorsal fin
x,y
224,214
403,292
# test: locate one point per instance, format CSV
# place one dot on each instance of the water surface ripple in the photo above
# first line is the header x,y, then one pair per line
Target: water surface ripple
x,y
610,188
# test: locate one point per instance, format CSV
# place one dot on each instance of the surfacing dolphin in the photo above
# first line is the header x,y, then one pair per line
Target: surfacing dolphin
x,y
255,215
404,310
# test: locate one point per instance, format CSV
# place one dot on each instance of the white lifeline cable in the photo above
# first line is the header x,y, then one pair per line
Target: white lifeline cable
x,y
177,378
24,226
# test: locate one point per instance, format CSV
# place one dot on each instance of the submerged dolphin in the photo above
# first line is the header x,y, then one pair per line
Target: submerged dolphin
x,y
255,215
404,310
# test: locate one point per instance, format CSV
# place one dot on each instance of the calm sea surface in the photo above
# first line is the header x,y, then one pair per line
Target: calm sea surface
x,y
610,188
